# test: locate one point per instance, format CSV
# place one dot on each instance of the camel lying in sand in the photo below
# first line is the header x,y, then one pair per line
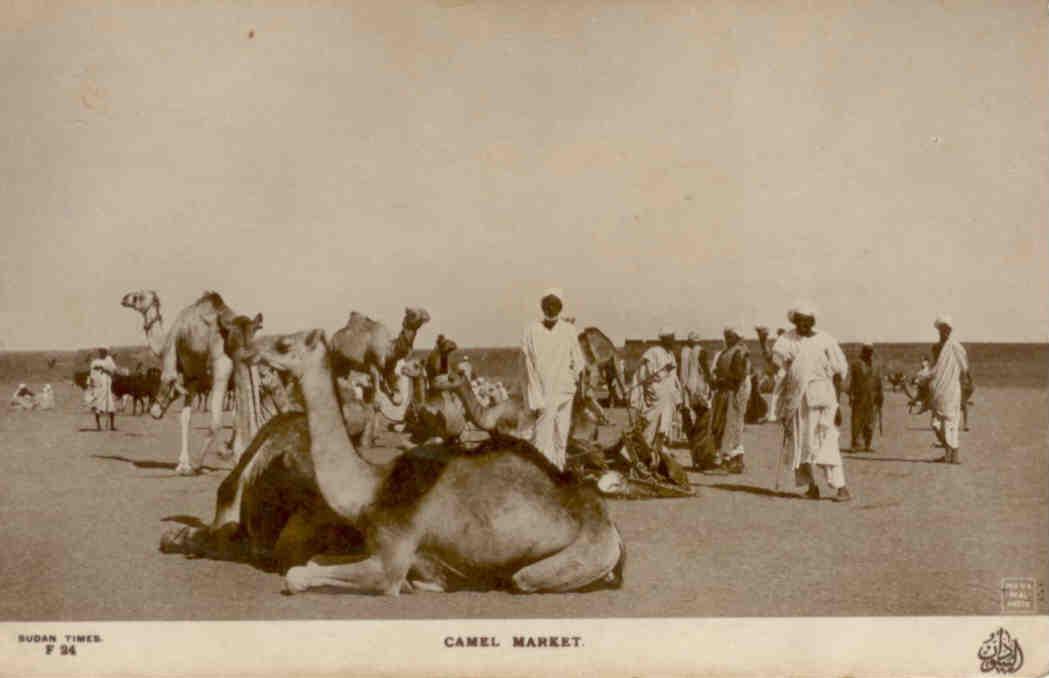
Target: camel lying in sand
x,y
511,417
439,519
268,510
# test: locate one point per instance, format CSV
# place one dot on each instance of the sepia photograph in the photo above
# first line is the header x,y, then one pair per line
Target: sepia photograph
x,y
461,337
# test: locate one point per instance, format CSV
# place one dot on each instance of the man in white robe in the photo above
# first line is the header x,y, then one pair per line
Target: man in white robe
x,y
554,362
945,389
659,394
815,368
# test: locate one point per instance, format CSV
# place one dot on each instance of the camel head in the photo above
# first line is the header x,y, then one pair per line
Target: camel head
x,y
141,301
414,318
294,353
237,334
446,346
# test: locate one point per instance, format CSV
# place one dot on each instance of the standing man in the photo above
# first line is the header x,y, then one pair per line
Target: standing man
x,y
865,398
696,390
101,381
554,362
660,392
815,368
732,392
945,388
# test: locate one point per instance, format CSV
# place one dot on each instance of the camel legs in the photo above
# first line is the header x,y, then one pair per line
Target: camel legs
x,y
221,371
382,573
587,560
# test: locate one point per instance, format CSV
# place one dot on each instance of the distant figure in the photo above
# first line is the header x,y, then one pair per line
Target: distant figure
x,y
46,399
23,398
865,398
554,362
731,395
945,381
100,384
657,393
465,368
808,406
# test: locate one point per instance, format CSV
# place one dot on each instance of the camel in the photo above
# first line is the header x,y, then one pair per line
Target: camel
x,y
367,346
268,510
189,351
512,418
437,362
436,415
499,516
601,356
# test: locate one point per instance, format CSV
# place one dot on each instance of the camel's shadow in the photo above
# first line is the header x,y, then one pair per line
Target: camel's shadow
x,y
149,463
182,519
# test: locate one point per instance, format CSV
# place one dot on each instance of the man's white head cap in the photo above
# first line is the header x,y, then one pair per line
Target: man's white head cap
x,y
943,320
554,292
806,308
734,328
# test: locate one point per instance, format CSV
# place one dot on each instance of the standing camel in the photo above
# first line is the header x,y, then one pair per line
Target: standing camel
x,y
189,352
499,516
602,357
367,346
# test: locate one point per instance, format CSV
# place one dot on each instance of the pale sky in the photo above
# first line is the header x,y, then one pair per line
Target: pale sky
x,y
681,164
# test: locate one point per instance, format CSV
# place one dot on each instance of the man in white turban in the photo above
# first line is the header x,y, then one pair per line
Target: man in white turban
x,y
554,362
945,388
815,368
659,394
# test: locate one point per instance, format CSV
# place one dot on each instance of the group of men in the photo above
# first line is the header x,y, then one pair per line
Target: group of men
x,y
711,394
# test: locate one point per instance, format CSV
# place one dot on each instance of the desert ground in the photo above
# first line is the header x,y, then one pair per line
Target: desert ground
x,y
83,513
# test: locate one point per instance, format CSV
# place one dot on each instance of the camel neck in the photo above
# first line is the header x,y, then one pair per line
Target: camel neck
x,y
153,326
347,482
402,345
474,409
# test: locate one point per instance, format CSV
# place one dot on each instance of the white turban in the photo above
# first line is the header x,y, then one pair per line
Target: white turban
x,y
554,292
666,332
806,308
943,320
733,328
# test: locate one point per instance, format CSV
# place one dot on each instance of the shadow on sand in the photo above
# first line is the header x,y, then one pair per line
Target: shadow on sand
x,y
867,457
762,491
192,521
147,463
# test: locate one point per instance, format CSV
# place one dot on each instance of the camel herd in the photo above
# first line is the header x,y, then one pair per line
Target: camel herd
x,y
302,500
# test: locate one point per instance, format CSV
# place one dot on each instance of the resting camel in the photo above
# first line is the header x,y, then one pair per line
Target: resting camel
x,y
434,413
437,520
512,418
189,351
601,356
367,346
268,510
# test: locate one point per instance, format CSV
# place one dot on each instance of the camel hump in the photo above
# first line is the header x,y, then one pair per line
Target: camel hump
x,y
211,297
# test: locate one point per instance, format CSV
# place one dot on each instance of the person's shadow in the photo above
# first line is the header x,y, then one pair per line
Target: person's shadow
x,y
761,491
149,463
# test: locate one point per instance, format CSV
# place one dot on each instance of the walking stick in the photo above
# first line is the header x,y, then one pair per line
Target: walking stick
x,y
881,430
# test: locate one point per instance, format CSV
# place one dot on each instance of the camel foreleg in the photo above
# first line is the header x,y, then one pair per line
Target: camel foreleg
x,y
383,573
184,468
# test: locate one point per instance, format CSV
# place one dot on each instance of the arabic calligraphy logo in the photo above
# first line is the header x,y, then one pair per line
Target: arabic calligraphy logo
x,y
1001,653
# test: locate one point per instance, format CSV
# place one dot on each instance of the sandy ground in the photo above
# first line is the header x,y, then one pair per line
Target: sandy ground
x,y
82,513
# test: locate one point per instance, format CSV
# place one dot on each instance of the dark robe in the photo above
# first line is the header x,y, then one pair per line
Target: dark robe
x,y
865,398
